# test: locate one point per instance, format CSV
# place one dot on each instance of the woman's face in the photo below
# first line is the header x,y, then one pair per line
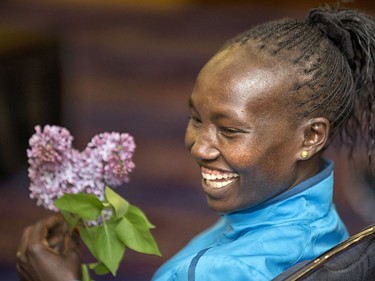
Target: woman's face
x,y
240,132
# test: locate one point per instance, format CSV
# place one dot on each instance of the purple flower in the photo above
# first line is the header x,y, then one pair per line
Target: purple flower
x,y
56,168
49,147
115,151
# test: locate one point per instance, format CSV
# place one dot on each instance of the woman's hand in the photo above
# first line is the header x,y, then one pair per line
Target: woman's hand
x,y
46,253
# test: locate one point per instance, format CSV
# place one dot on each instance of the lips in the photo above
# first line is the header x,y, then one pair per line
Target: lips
x,y
217,179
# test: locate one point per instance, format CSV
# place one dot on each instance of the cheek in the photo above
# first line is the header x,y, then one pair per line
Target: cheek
x,y
276,165
189,137
259,161
244,154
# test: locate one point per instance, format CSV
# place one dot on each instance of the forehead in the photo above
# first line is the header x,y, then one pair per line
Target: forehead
x,y
240,76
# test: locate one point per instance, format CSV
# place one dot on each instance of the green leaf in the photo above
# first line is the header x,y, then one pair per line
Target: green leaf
x,y
99,268
70,218
104,244
137,217
137,236
85,273
88,236
87,206
109,249
119,204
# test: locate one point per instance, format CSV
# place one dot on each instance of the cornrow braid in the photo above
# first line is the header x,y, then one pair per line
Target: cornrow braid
x,y
333,52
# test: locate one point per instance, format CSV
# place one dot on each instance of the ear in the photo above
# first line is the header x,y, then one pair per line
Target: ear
x,y
315,136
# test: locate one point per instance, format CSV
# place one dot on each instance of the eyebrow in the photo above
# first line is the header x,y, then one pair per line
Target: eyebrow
x,y
216,115
191,103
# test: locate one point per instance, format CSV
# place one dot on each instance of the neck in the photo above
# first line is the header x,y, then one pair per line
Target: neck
x,y
310,167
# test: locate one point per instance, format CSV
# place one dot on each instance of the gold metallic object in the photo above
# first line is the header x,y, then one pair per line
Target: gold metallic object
x,y
304,154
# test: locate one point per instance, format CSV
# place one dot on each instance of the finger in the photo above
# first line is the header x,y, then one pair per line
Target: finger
x,y
72,242
56,237
34,239
22,273
23,243
72,255
39,232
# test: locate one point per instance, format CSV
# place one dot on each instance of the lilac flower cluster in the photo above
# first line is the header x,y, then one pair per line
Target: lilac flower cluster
x,y
55,167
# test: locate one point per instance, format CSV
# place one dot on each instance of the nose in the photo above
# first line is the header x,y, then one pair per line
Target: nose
x,y
203,147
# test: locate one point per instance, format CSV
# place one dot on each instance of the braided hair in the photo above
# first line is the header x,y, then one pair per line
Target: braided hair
x,y
333,52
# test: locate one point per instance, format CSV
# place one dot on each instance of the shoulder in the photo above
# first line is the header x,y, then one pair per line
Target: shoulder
x,y
288,239
260,254
222,267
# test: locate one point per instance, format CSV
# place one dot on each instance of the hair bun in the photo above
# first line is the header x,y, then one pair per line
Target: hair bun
x,y
331,26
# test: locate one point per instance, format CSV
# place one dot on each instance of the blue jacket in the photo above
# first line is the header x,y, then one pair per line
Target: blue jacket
x,y
261,242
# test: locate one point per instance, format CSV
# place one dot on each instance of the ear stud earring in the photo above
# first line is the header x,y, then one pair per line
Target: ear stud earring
x,y
304,154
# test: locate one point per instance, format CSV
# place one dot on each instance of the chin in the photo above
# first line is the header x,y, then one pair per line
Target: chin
x,y
223,208
220,207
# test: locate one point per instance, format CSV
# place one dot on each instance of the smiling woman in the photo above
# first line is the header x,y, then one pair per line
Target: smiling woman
x,y
262,112
240,125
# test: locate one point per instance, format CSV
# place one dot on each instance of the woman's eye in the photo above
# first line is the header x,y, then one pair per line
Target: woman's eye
x,y
194,120
230,131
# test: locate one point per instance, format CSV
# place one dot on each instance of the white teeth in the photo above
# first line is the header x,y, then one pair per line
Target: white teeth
x,y
212,179
219,176
219,184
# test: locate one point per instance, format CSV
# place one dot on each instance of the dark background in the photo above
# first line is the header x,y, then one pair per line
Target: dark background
x,y
129,66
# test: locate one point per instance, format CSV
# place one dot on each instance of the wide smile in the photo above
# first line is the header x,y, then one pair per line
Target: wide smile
x,y
217,179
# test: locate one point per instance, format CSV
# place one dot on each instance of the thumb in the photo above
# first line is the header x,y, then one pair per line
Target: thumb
x,y
72,254
71,244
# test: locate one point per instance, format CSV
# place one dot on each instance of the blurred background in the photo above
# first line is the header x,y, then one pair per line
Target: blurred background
x,y
129,66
